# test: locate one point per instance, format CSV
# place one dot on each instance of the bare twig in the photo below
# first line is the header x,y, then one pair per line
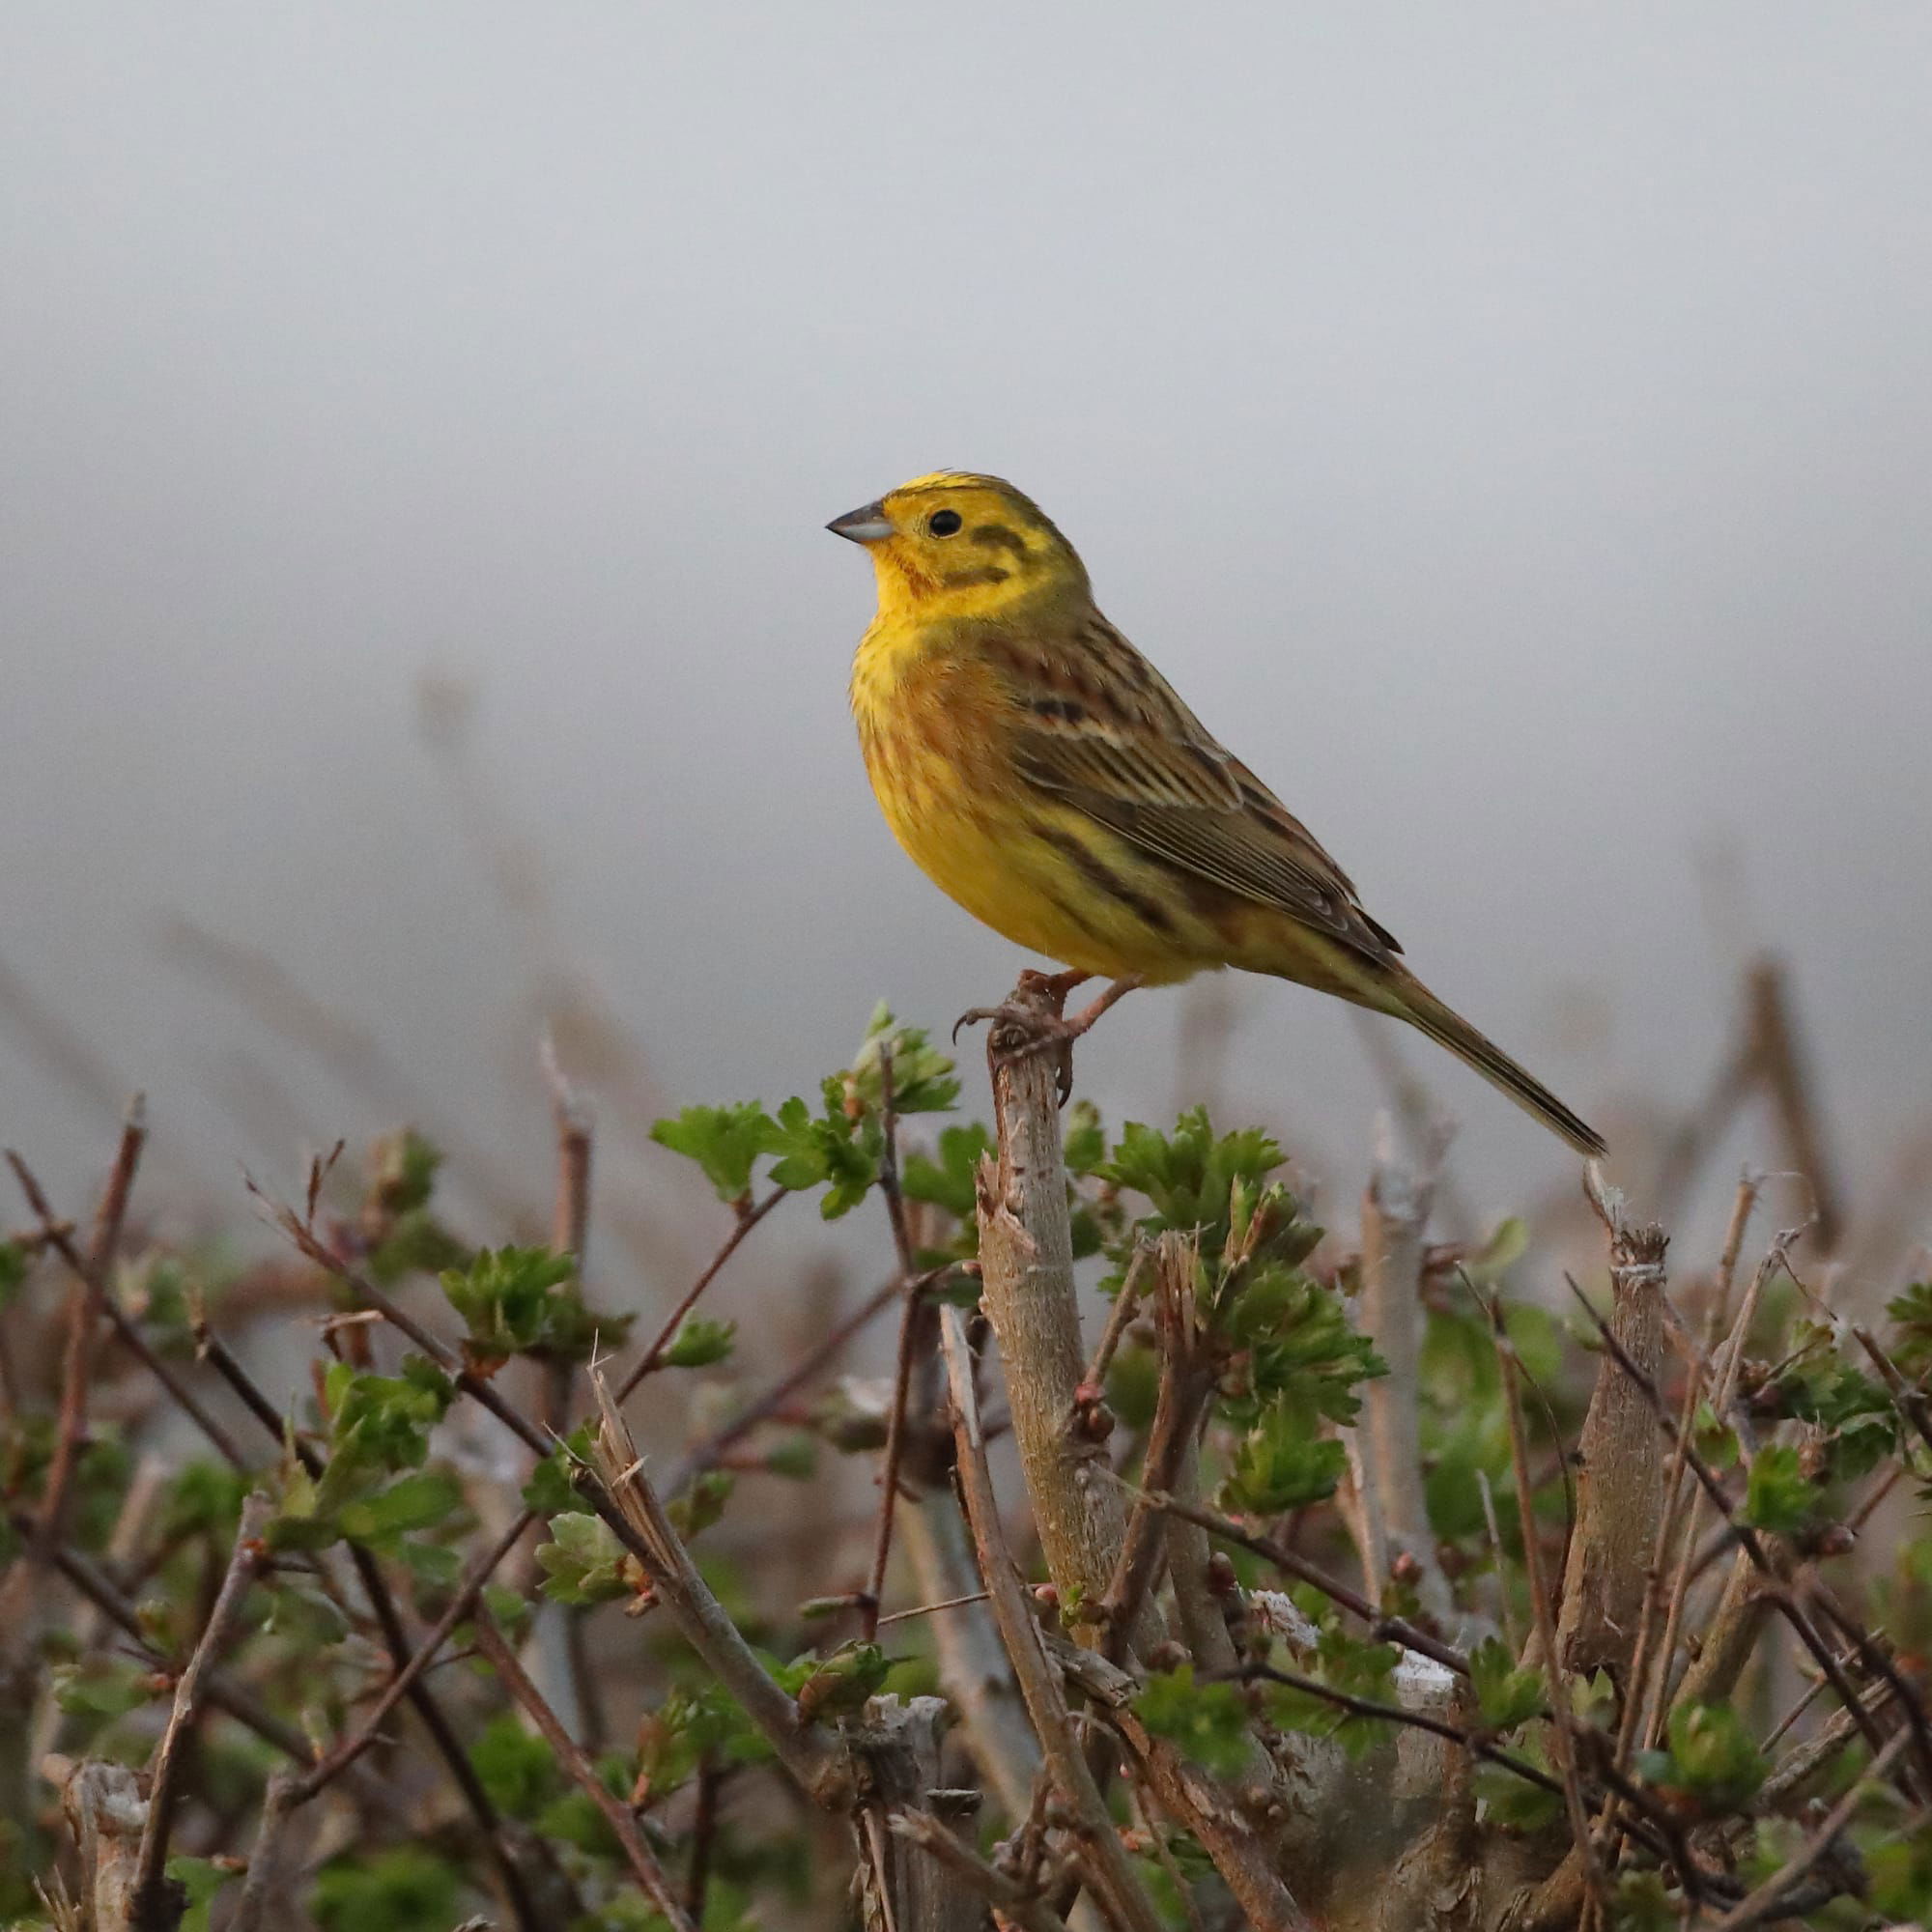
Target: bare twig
x,y
402,1681
1504,1612
748,1218
1783,1067
890,1190
125,1615
570,1235
1200,1805
570,1754
107,1817
1659,1702
628,1502
1910,1402
87,1298
801,1375
910,1328
908,1884
1106,1864
1026,1253
1395,1213
1802,1761
1775,1587
973,1670
1742,1203
1011,1900
1386,1629
154,1910
929,1609
264,1899
1119,1316
710,1778
1764,1904
1186,1382
1563,1725
1620,1489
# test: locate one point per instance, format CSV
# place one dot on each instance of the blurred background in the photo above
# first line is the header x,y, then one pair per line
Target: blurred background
x,y
1511,429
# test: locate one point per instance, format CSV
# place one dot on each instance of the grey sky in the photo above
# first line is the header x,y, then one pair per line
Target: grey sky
x,y
1511,428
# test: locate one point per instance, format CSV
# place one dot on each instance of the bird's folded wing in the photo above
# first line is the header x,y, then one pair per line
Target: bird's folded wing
x,y
1165,785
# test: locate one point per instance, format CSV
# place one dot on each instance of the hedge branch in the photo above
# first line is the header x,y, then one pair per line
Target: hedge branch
x,y
571,1755
1395,1213
1769,1901
1026,1257
1104,1860
1620,1486
157,1901
627,1500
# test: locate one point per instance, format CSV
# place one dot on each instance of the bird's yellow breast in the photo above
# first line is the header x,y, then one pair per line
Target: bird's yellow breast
x,y
935,723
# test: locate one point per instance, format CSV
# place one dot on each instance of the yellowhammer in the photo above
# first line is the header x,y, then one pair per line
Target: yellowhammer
x,y
1044,775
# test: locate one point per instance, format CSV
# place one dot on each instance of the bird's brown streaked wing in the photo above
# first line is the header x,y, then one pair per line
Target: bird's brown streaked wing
x,y
1102,729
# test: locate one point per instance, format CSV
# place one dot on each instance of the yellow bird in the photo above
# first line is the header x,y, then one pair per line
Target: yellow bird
x,y
1046,776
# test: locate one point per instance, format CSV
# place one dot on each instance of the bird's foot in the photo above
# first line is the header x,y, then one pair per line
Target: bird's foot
x,y
1053,987
1031,1021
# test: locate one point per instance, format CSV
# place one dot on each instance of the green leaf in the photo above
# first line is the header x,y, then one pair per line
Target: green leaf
x,y
1506,1696
583,1562
1901,1876
952,1181
1281,1464
1712,1760
923,1076
205,1500
550,1491
415,1502
1208,1722
1779,1498
1911,1319
407,1890
15,1264
1514,1802
383,1422
1357,1666
699,1342
1643,1904
526,1301
1083,1139
518,1769
102,1687
837,1686
726,1141
702,1504
201,1879
794,1456
503,1299
402,1171
828,1150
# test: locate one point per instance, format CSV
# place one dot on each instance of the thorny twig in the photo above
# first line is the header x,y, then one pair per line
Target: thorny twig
x,y
748,1218
1764,1904
1747,1538
571,1755
1564,1723
87,1300
1106,1865
1386,1629
889,1479
151,1907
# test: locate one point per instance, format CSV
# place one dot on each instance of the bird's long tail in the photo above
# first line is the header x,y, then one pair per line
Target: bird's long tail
x,y
1414,1001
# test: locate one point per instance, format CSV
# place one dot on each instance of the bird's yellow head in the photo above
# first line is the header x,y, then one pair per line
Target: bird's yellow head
x,y
956,545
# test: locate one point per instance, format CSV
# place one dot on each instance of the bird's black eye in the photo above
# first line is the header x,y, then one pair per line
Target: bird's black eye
x,y
943,523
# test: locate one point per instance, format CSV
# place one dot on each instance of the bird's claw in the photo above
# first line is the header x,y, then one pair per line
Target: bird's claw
x,y
1020,1030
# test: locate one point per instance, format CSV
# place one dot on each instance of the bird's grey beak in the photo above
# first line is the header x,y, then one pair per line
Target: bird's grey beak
x,y
869,524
